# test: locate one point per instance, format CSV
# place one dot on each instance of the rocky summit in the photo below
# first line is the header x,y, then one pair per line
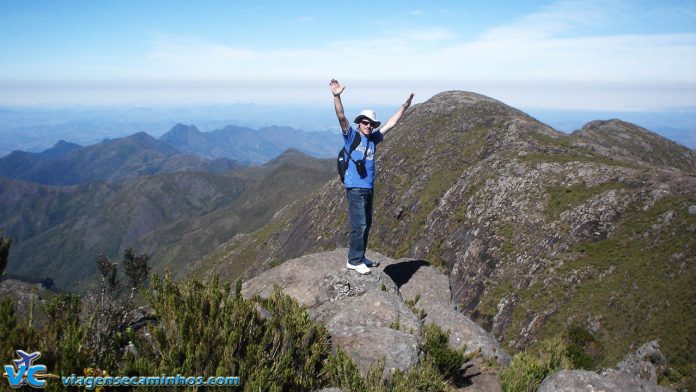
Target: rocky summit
x,y
540,232
368,316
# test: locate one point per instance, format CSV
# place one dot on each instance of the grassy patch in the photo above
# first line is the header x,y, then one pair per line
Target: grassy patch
x,y
411,304
563,141
540,157
529,368
507,232
638,285
489,303
563,198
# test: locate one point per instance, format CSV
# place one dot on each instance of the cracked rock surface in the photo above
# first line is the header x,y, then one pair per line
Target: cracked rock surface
x,y
366,315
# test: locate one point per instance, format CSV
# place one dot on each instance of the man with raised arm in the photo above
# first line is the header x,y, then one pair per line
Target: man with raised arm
x,y
360,176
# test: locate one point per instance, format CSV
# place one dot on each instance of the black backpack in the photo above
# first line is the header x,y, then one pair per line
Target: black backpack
x,y
343,159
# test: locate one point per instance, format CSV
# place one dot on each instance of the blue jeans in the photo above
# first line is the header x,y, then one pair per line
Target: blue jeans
x,y
360,214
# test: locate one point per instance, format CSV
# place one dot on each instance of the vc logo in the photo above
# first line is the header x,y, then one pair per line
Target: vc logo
x,y
24,372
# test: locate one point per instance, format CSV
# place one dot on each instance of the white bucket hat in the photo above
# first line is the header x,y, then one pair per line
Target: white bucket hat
x,y
370,115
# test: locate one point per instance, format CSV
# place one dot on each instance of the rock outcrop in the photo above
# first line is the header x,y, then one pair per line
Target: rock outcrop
x,y
636,372
28,299
582,380
366,315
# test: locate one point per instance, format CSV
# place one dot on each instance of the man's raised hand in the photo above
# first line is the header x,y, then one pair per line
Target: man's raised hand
x,y
408,101
336,88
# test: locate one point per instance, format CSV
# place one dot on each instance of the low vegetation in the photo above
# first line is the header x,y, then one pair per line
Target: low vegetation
x,y
204,329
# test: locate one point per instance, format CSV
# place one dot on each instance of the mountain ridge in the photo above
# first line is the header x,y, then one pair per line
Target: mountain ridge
x,y
615,137
514,210
248,145
112,160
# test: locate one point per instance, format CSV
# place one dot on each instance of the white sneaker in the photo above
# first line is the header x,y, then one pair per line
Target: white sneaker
x,y
360,268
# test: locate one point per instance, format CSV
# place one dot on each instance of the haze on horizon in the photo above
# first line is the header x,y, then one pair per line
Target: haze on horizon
x,y
569,55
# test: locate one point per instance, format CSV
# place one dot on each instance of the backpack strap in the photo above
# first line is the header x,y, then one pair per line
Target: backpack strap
x,y
355,144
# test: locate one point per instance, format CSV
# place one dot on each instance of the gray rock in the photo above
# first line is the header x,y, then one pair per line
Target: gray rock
x,y
362,312
374,309
366,345
692,210
140,317
297,277
418,278
640,365
481,380
26,296
348,283
583,381
22,293
466,333
317,278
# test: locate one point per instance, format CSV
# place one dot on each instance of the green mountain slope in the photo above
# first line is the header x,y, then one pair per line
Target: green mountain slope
x,y
630,142
177,217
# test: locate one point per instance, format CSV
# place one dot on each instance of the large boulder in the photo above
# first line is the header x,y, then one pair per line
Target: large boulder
x,y
366,315
376,308
367,345
298,278
373,326
346,283
317,278
418,279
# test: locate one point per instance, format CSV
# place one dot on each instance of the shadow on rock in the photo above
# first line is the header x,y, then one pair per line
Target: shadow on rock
x,y
402,272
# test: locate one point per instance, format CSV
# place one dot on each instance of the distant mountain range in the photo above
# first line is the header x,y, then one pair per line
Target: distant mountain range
x,y
111,160
176,197
177,217
183,148
247,145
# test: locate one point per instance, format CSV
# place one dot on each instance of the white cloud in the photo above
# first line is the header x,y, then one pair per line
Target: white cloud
x,y
554,44
560,18
550,58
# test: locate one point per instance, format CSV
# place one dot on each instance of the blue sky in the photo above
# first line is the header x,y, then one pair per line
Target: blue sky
x,y
574,55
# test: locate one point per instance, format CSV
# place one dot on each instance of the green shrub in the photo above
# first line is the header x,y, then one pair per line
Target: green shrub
x,y
584,351
436,350
62,340
527,371
524,374
424,377
342,372
411,304
206,329
13,335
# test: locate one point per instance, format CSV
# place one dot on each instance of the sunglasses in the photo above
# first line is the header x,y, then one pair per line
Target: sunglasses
x,y
366,122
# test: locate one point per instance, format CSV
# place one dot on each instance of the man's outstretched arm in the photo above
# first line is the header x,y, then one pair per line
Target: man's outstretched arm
x,y
336,90
396,116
